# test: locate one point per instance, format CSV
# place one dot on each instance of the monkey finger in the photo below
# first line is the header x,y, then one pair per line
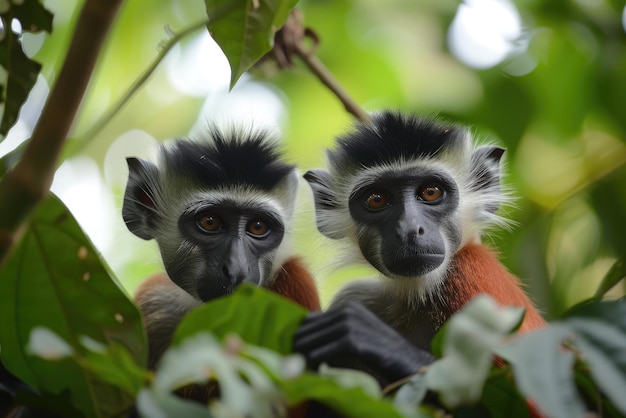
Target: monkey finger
x,y
327,353
351,313
309,339
319,322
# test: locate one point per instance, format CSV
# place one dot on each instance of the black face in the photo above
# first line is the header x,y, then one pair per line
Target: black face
x,y
400,218
232,238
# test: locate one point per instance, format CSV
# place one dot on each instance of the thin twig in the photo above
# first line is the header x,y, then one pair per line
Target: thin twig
x,y
28,183
164,49
141,80
322,73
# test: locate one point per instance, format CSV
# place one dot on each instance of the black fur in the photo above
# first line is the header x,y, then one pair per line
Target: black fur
x,y
237,159
394,136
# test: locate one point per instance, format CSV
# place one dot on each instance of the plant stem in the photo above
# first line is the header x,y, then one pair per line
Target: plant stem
x,y
165,48
141,80
322,73
28,183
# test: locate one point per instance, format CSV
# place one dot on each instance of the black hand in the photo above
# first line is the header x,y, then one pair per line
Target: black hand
x,y
352,336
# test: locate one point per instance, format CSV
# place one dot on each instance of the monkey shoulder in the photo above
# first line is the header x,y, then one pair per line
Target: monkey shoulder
x,y
162,302
364,291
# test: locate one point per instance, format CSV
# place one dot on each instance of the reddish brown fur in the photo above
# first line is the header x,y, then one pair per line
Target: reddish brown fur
x,y
296,283
152,283
476,270
293,282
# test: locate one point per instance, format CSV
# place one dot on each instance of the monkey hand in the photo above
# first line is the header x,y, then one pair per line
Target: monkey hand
x,y
351,336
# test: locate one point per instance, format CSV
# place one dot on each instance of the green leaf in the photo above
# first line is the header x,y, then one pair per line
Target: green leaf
x,y
9,160
22,71
246,374
501,397
543,371
591,393
22,74
116,366
33,16
472,335
600,337
437,343
156,405
55,280
347,401
48,405
349,378
616,273
245,32
258,316
411,394
263,318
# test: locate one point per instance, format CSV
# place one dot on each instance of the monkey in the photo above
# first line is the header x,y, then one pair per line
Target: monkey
x,y
219,208
411,196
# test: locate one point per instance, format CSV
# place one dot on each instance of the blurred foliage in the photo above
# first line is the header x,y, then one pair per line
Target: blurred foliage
x,y
22,72
59,286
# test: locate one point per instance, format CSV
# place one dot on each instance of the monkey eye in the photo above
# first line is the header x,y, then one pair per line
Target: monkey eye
x,y
210,223
377,200
257,228
430,193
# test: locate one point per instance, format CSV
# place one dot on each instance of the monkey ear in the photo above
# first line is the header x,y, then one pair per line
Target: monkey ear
x,y
287,191
325,203
140,207
486,174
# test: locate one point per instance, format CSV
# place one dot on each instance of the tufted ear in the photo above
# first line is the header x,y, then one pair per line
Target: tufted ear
x,y
286,191
486,173
325,203
140,208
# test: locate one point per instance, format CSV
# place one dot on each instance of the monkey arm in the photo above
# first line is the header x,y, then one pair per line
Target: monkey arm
x,y
352,336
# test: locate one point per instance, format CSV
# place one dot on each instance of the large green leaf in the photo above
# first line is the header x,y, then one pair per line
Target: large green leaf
x,y
471,336
543,371
258,316
348,401
591,392
56,284
22,72
612,277
263,318
245,31
501,397
600,337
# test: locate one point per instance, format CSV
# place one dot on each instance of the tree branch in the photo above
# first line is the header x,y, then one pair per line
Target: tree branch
x,y
164,48
325,76
289,41
28,183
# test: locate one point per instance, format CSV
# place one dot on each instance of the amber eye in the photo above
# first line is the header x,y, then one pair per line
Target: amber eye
x,y
210,223
377,200
257,228
430,193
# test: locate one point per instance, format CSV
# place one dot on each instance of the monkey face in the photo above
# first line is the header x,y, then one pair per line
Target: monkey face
x,y
231,243
402,220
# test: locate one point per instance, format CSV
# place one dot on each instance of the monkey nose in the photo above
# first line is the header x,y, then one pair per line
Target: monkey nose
x,y
235,273
413,235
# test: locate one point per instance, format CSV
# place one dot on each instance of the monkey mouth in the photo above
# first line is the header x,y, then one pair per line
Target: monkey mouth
x,y
208,293
414,264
